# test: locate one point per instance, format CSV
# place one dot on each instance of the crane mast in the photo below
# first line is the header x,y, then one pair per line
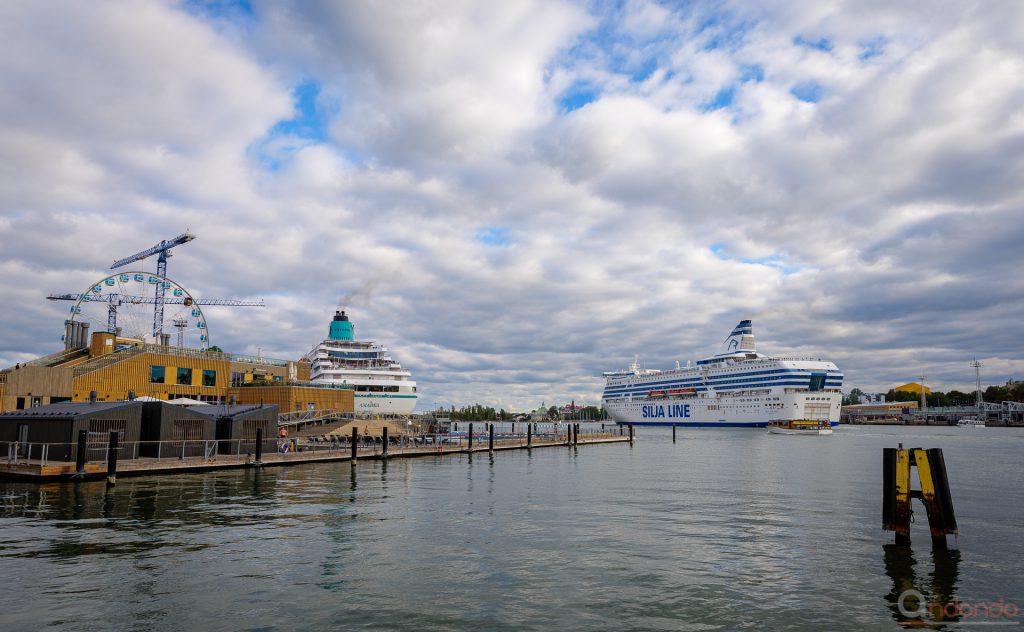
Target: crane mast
x,y
162,250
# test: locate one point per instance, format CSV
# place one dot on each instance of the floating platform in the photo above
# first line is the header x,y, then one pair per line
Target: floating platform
x,y
34,469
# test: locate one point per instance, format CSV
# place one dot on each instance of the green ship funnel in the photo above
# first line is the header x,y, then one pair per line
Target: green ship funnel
x,y
341,328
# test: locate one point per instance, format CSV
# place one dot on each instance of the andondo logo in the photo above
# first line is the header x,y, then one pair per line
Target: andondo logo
x,y
913,606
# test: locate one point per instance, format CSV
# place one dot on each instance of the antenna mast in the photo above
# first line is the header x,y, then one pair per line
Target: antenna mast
x,y
977,381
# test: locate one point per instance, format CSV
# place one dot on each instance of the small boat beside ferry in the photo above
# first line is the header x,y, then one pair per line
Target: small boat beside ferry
x,y
800,427
970,422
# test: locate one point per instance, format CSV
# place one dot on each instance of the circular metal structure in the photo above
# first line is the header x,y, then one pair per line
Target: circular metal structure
x,y
124,304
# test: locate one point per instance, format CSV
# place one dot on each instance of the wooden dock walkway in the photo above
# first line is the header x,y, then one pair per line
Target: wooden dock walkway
x,y
309,453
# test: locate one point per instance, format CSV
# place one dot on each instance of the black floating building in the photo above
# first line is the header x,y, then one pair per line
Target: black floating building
x,y
180,430
237,425
59,424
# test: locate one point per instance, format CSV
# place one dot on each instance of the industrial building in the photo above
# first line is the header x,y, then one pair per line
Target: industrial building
x,y
886,412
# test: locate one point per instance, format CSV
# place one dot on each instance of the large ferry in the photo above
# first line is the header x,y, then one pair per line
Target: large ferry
x,y
382,386
736,388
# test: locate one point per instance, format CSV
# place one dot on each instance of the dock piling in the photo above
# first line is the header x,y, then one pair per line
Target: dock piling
x,y
355,443
112,458
630,434
384,443
529,435
80,455
259,446
469,439
490,440
673,433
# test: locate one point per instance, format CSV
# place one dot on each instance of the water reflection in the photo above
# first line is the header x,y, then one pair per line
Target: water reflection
x,y
922,602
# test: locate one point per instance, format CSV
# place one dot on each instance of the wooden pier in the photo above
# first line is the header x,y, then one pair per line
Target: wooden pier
x,y
309,452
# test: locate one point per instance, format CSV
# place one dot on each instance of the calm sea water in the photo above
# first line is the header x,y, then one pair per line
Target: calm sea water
x,y
723,530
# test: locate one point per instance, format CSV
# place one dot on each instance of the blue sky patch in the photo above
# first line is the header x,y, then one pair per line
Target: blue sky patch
x,y
773,261
220,9
492,236
578,95
751,72
823,44
310,120
722,99
871,48
308,126
807,91
723,30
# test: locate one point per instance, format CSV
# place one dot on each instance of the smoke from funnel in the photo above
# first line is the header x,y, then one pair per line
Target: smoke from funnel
x,y
361,295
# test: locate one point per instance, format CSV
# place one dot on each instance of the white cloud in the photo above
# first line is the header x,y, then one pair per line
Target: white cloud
x,y
879,226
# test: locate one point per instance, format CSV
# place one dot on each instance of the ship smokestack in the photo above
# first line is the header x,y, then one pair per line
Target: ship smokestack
x,y
341,328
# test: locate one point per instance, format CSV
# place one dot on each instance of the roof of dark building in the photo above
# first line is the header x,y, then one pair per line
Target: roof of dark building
x,y
225,410
69,409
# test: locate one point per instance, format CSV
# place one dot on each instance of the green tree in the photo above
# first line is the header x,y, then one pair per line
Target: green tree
x,y
854,397
901,396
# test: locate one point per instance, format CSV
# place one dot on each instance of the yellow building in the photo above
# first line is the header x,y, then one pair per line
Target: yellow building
x,y
113,369
913,387
290,399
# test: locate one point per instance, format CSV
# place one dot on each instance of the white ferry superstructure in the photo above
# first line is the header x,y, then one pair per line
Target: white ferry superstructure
x,y
381,385
737,388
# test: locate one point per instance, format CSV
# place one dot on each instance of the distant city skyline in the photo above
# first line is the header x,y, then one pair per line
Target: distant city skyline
x,y
515,197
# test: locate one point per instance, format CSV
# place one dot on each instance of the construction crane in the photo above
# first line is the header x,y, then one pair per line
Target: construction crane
x,y
115,300
160,249
149,300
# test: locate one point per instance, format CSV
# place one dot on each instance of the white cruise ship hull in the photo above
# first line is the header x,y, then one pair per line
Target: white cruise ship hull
x,y
384,404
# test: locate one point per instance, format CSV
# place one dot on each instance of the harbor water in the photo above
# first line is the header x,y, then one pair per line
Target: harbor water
x,y
721,530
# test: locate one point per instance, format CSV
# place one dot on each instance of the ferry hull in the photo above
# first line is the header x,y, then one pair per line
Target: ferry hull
x,y
703,424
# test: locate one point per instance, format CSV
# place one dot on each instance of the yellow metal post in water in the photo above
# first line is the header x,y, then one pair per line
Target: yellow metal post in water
x,y
934,493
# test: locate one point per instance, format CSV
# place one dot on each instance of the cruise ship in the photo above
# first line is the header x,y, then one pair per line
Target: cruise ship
x,y
737,388
382,386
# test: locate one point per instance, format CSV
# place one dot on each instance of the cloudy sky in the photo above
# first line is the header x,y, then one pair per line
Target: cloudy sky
x,y
519,195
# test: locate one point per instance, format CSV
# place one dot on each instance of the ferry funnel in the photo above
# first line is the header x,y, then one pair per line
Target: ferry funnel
x,y
741,340
341,328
